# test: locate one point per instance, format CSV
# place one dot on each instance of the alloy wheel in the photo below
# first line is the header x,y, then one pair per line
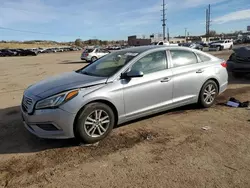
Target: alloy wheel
x,y
209,94
97,123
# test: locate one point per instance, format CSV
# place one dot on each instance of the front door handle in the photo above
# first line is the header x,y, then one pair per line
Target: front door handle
x,y
200,71
165,79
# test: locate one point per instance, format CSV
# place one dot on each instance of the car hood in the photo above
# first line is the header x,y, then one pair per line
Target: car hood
x,y
63,82
243,51
215,44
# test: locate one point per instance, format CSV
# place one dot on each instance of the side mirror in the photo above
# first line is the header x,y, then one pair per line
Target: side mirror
x,y
132,74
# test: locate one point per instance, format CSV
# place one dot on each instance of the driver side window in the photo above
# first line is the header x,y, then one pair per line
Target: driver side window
x,y
150,63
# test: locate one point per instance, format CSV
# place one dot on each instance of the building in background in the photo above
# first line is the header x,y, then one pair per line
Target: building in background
x,y
134,41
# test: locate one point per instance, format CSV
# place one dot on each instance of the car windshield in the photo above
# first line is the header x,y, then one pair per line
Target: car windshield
x,y
109,64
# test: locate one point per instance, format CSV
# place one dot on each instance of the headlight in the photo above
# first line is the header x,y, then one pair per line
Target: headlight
x,y
56,100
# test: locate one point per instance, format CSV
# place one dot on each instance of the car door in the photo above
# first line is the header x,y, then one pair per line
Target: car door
x,y
153,91
187,75
97,53
225,44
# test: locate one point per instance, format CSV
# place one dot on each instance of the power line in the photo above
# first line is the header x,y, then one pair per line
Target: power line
x,y
33,11
34,32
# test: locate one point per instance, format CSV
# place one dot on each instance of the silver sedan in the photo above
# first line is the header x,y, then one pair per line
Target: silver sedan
x,y
122,86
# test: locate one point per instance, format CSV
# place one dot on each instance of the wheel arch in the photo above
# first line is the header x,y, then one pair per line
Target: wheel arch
x,y
110,104
213,79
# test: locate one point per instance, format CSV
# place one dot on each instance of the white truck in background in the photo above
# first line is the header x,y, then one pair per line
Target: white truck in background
x,y
164,43
221,45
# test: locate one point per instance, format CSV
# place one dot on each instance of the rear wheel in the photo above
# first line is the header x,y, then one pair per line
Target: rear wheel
x,y
94,123
208,93
94,58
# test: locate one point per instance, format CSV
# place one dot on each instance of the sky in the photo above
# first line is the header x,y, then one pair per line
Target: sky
x,y
66,20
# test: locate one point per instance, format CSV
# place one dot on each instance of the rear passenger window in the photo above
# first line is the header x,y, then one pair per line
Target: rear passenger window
x,y
182,58
203,57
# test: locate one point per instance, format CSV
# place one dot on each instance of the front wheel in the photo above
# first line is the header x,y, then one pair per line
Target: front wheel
x,y
94,123
208,93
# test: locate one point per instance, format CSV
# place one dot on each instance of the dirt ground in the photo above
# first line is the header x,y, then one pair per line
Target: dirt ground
x,y
165,150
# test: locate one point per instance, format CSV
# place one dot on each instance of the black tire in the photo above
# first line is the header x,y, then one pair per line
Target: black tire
x,y
231,47
81,132
202,100
94,58
238,74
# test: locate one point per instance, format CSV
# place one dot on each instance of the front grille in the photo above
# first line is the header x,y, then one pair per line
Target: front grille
x,y
27,104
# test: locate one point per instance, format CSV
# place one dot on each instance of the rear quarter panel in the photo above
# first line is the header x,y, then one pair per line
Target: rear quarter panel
x,y
217,72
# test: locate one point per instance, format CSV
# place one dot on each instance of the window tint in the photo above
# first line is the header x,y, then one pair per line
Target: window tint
x,y
150,63
88,50
182,58
161,43
103,51
203,57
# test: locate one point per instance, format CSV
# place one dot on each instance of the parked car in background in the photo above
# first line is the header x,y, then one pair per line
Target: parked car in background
x,y
196,46
7,52
164,43
28,52
237,41
221,45
239,61
48,50
121,86
92,54
204,44
187,44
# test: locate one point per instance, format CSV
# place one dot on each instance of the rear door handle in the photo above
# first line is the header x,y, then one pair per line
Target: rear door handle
x,y
165,79
200,71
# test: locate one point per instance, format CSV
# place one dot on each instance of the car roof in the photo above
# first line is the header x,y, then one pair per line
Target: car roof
x,y
142,49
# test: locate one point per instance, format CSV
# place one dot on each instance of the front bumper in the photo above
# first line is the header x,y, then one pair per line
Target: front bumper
x,y
238,67
50,123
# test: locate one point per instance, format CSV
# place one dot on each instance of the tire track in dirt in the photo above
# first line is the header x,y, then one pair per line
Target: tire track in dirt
x,y
36,166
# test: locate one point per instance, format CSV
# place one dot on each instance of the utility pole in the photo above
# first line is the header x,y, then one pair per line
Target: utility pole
x,y
186,34
208,22
168,34
164,20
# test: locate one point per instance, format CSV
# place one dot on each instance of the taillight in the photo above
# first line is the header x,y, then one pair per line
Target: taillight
x,y
86,54
224,64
